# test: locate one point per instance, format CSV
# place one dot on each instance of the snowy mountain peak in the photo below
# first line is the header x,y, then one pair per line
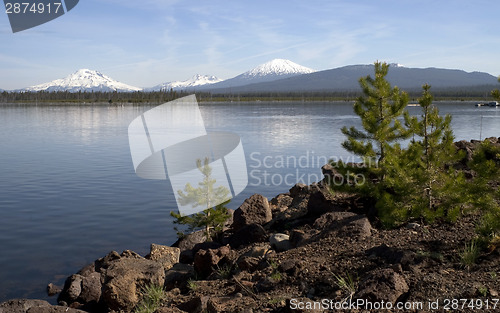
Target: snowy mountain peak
x,y
84,80
85,71
86,76
198,80
195,81
273,70
278,67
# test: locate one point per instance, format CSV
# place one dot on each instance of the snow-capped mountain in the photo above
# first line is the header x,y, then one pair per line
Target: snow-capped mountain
x,y
84,80
278,68
270,71
195,81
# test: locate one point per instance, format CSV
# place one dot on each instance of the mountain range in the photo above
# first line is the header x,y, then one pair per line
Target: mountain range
x,y
346,79
280,75
195,81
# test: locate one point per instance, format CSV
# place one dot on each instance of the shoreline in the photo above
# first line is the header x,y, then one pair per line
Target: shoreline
x,y
205,102
295,248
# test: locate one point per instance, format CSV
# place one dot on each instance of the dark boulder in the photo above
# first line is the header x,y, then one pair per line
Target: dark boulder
x,y
249,234
254,210
188,241
247,263
205,261
299,190
91,288
178,276
320,201
280,242
165,255
125,278
280,203
53,290
382,285
72,289
345,223
21,305
34,306
391,255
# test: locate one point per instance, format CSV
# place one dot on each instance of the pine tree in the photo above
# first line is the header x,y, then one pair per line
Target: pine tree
x,y
380,175
379,108
213,199
438,184
393,197
486,187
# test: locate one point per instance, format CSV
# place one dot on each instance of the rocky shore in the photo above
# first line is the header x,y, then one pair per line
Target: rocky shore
x,y
306,250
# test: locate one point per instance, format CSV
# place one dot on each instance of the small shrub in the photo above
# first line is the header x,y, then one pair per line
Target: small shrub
x,y
433,255
192,285
274,265
277,300
276,276
483,291
152,297
493,275
469,255
225,271
207,195
347,284
145,307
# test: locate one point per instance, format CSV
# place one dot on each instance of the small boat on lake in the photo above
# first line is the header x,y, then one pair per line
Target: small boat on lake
x,y
489,104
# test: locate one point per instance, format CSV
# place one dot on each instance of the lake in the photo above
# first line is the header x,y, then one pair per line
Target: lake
x,y
69,193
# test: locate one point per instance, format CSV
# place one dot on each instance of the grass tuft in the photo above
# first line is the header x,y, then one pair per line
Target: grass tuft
x,y
152,297
192,285
225,271
348,283
470,254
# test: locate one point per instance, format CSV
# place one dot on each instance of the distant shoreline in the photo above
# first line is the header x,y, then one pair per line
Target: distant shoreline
x,y
215,101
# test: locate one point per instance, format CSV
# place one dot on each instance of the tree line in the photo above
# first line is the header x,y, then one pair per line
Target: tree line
x,y
109,97
481,93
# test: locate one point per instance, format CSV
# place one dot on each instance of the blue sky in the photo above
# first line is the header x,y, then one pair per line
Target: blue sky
x,y
144,43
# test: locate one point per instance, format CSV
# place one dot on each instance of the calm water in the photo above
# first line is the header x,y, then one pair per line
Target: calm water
x,y
69,193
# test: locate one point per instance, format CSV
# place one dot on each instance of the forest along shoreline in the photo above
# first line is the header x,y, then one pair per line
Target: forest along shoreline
x,y
307,250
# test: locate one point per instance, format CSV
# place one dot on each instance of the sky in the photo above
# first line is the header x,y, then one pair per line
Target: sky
x,y
148,42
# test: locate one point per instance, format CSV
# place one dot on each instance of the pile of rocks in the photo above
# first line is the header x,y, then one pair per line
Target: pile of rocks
x,y
260,230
